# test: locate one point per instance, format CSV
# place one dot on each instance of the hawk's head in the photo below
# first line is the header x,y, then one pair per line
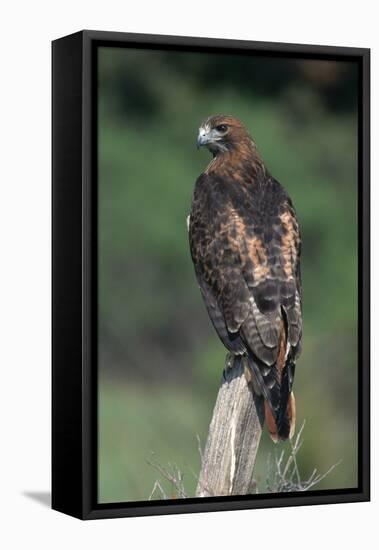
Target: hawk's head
x,y
222,133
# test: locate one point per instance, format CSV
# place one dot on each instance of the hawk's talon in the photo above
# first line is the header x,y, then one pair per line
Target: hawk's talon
x,y
229,363
229,360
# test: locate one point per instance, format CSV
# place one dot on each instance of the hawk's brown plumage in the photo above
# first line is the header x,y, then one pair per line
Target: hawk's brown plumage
x,y
245,246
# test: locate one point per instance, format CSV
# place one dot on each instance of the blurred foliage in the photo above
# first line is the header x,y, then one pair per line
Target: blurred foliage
x,y
160,361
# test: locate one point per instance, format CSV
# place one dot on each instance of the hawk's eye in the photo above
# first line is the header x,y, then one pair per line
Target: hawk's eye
x,y
221,128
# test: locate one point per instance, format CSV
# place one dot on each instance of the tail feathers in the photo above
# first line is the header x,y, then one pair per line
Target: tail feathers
x,y
279,400
282,425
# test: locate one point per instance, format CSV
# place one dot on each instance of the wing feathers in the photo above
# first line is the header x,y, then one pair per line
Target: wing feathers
x,y
268,326
235,303
294,322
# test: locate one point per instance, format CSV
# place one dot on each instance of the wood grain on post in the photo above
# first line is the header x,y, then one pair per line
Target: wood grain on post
x,y
233,439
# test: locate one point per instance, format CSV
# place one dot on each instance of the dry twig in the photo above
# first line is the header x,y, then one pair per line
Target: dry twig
x,y
283,476
172,474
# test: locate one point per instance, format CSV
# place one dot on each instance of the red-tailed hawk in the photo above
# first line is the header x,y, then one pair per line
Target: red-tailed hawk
x,y
245,246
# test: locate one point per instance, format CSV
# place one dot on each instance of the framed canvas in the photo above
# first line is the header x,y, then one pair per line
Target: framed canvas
x,y
210,234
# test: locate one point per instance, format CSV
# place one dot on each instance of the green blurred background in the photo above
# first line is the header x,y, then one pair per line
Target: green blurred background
x,y
160,362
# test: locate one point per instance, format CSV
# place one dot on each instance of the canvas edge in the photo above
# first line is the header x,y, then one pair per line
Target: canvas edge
x,y
67,428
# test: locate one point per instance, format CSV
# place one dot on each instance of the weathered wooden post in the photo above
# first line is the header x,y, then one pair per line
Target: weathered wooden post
x,y
233,439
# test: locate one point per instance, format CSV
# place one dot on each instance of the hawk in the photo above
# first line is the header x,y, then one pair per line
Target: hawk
x,y
245,245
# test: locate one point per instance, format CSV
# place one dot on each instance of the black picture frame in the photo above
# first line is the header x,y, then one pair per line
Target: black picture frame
x,y
74,294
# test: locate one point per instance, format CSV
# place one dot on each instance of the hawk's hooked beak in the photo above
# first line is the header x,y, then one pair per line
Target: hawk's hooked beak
x,y
203,138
